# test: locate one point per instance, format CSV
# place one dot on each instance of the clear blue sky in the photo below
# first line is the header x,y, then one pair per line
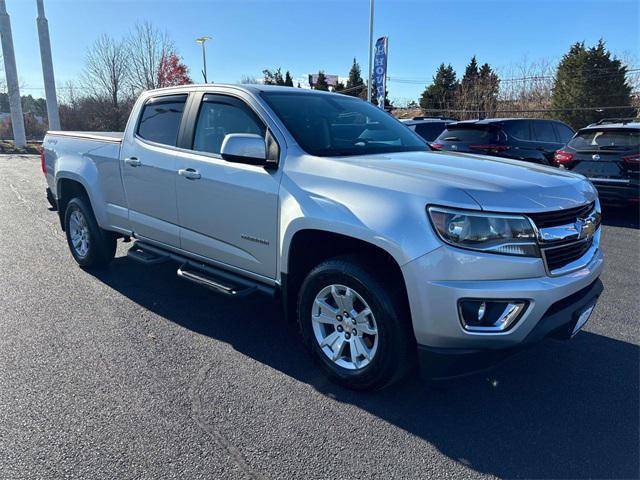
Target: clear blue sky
x,y
304,36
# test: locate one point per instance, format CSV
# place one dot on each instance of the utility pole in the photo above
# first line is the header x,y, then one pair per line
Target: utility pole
x,y
202,41
11,73
47,68
370,48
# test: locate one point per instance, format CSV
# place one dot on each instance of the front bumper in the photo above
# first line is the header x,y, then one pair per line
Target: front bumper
x,y
559,322
436,281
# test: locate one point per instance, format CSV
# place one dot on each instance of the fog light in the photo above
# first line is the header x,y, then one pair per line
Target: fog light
x,y
490,316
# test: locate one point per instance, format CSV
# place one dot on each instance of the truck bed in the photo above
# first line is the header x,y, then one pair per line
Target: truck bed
x,y
115,137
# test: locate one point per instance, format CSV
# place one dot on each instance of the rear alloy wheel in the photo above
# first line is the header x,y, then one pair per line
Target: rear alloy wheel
x,y
89,244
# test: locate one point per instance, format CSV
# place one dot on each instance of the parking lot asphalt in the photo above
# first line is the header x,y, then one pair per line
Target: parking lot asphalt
x,y
134,373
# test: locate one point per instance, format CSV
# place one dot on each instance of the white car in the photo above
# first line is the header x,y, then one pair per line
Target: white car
x,y
385,252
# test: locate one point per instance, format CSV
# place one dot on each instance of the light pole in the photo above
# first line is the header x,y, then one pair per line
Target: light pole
x,y
369,82
47,69
11,74
202,41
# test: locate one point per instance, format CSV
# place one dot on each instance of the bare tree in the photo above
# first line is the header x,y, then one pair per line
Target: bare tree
x,y
147,46
106,79
248,80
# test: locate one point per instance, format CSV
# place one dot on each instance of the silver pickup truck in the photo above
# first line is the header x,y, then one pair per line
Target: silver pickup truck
x,y
387,254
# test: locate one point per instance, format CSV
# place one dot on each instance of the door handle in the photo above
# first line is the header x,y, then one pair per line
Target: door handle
x,y
132,162
189,173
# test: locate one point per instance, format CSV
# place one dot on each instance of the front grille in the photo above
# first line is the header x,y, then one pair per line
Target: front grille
x,y
560,217
560,253
559,257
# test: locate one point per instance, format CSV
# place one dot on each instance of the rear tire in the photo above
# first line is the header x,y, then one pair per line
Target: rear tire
x,y
90,246
355,349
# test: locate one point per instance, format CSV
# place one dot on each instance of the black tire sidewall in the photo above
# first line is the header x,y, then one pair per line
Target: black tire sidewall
x,y
100,249
392,341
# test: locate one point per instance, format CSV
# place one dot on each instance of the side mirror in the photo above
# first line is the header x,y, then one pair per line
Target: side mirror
x,y
244,148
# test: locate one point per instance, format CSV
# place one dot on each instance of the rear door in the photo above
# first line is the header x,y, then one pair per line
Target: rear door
x,y
149,169
229,214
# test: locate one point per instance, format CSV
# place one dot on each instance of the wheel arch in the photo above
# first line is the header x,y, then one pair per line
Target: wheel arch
x,y
309,247
66,189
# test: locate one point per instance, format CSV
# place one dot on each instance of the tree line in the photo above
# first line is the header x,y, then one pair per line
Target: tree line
x,y
588,84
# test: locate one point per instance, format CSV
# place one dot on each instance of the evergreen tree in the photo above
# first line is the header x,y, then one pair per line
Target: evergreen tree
x,y
288,81
440,95
273,77
488,86
590,77
471,72
321,82
355,80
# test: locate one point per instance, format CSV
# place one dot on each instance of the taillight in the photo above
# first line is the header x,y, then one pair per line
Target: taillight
x,y
42,164
632,159
561,157
496,148
437,146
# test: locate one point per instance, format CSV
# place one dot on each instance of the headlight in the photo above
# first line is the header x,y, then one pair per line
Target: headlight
x,y
486,232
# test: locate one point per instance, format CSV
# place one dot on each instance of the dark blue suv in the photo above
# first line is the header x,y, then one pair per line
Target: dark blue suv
x,y
532,140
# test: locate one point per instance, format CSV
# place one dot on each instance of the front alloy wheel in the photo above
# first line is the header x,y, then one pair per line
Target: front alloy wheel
x,y
344,327
355,323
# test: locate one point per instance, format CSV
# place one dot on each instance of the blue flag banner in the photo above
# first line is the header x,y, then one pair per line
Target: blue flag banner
x,y
380,69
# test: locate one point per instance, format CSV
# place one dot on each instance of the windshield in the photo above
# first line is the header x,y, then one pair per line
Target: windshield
x,y
606,139
334,125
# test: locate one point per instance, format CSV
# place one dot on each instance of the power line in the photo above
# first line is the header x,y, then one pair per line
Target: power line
x,y
533,110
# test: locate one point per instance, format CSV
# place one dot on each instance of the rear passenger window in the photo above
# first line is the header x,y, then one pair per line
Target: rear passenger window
x,y
160,119
544,132
219,116
518,129
564,132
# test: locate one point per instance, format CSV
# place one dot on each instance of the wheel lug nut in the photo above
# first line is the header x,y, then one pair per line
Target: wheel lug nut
x,y
339,318
340,329
347,335
346,314
354,332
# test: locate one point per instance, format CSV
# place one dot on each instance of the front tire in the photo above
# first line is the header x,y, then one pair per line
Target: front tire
x,y
357,330
90,246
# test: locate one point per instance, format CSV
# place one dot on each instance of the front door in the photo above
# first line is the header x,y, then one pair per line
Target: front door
x,y
228,212
149,170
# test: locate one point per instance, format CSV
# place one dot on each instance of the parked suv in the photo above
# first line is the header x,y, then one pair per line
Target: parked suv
x,y
429,127
532,140
608,153
384,251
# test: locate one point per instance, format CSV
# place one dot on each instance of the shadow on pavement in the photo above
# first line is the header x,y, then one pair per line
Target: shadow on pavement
x,y
560,410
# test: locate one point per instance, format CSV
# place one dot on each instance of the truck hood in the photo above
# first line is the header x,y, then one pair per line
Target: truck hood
x,y
496,184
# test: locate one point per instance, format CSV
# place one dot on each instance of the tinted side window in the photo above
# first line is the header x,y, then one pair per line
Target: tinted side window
x,y
543,131
429,131
564,132
219,116
160,119
518,129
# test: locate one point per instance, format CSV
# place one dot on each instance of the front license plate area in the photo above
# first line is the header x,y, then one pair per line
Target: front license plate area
x,y
582,317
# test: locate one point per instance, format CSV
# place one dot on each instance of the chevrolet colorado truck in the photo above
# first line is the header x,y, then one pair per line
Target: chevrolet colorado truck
x,y
386,253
